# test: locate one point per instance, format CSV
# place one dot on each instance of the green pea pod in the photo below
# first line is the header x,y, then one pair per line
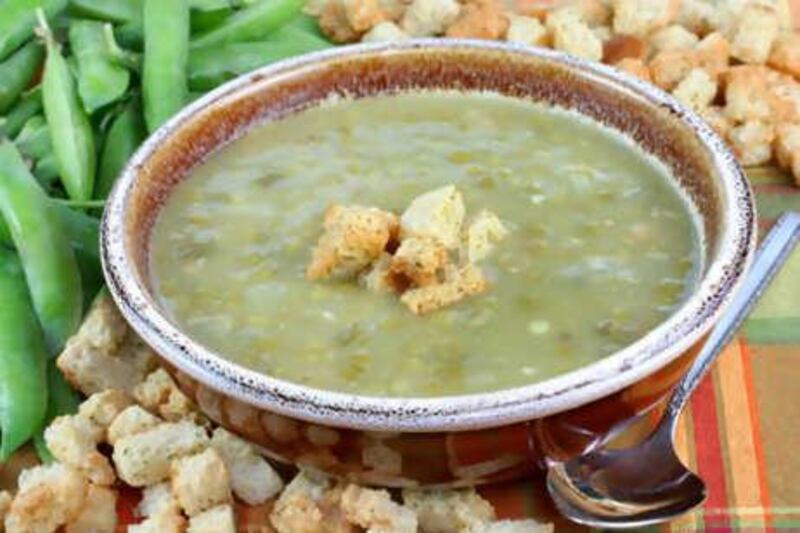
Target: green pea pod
x,y
207,16
210,67
124,136
308,24
124,58
34,139
70,130
101,80
166,52
130,35
47,259
46,172
29,105
18,19
17,71
118,11
61,400
252,23
23,381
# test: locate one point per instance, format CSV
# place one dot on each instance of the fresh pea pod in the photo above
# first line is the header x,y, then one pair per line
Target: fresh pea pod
x,y
252,23
118,11
121,57
124,136
40,239
29,105
130,35
18,19
23,381
306,23
166,52
17,71
101,80
46,171
70,130
34,139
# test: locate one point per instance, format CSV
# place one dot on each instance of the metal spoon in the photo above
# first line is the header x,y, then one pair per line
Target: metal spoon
x,y
646,484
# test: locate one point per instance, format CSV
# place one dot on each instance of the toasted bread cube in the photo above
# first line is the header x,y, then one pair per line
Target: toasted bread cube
x,y
636,67
384,32
595,12
674,37
572,35
201,481
73,440
253,480
104,327
297,509
451,510
787,149
333,22
437,214
103,407
756,30
159,393
715,116
752,142
166,522
713,54
144,458
785,54
354,237
697,90
640,17
48,498
785,99
746,94
5,505
527,30
374,510
698,16
420,260
517,526
219,519
393,9
98,514
363,15
132,420
156,499
670,67
427,18
621,46
379,277
459,283
479,19
604,33
483,233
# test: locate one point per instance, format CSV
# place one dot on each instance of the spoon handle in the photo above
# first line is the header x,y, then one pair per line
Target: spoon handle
x,y
771,255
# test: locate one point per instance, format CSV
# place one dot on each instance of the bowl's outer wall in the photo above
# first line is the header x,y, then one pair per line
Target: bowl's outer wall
x,y
450,452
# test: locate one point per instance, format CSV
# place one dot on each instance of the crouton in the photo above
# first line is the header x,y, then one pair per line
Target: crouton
x,y
640,17
297,509
698,16
362,15
752,142
219,519
785,99
785,54
716,118
375,511
384,32
354,237
746,94
98,513
437,214
595,12
459,283
635,67
104,327
526,30
451,510
156,499
144,458
419,260
73,440
5,505
514,526
697,90
604,33
570,34
670,67
48,497
427,18
103,407
200,481
334,24
252,478
674,37
787,149
393,9
482,234
381,458
623,46
379,278
315,7
755,31
159,393
132,420
713,54
322,436
479,19
166,522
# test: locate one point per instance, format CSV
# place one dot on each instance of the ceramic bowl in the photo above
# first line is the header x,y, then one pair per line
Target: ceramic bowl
x,y
445,441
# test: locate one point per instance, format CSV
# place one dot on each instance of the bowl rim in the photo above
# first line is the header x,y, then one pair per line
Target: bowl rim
x,y
565,391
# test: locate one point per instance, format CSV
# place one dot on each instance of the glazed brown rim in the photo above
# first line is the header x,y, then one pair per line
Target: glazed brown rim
x,y
663,344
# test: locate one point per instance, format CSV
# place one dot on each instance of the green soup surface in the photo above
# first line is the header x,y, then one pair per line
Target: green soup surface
x,y
602,247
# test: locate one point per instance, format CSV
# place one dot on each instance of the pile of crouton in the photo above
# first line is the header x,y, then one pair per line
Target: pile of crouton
x,y
735,62
428,256
137,428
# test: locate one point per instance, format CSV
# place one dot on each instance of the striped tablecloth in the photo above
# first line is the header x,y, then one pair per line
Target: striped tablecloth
x,y
741,432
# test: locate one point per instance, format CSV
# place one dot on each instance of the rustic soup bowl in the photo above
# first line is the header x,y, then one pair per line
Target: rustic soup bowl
x,y
445,441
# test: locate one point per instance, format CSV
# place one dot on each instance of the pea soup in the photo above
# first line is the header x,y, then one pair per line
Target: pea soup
x,y
600,247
